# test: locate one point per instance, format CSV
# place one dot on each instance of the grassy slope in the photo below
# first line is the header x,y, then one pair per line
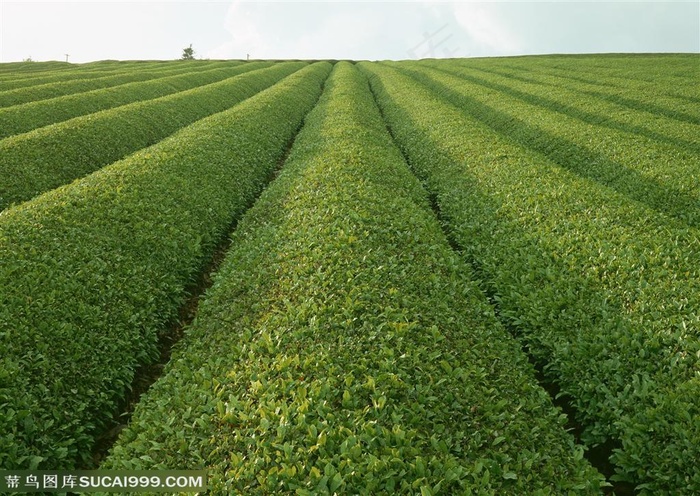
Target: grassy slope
x,y
633,98
343,349
92,272
585,274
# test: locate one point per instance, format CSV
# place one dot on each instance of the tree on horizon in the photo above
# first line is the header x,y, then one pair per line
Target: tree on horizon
x,y
188,53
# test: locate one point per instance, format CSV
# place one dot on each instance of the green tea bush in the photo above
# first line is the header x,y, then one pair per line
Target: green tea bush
x,y
643,147
68,83
343,348
602,290
43,159
19,119
93,271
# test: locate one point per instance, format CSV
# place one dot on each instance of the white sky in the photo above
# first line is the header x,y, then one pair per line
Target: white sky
x,y
128,30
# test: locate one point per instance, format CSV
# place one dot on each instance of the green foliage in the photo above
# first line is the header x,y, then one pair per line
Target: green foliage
x,y
25,117
601,288
641,145
16,75
344,349
92,272
43,159
188,53
16,92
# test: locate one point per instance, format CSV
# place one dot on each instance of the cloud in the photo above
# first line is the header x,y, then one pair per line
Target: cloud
x,y
532,27
348,34
245,37
335,30
301,30
488,28
159,29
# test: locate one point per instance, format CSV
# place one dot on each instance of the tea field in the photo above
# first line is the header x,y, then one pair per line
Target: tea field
x,y
456,276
